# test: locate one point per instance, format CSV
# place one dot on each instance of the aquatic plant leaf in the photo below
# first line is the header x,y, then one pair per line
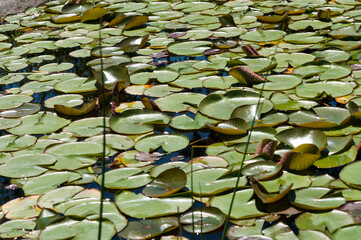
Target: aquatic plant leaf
x,y
16,228
140,206
28,165
145,229
338,159
205,220
166,183
295,137
189,48
10,143
261,170
350,175
169,142
331,221
313,198
243,206
124,178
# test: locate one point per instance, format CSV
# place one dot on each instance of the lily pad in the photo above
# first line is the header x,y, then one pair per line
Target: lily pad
x,y
168,142
129,203
124,178
207,219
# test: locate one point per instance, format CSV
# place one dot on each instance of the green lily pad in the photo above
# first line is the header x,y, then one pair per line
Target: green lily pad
x,y
48,181
207,182
86,127
77,148
28,165
204,220
189,48
331,88
40,123
283,101
113,75
10,143
125,178
69,100
179,102
78,229
280,82
330,221
168,142
16,228
21,208
13,101
140,206
166,183
332,55
313,198
263,35
350,232
23,110
53,197
350,176
221,104
115,141
261,170
338,159
137,121
145,229
76,85
9,123
243,206
54,67
294,137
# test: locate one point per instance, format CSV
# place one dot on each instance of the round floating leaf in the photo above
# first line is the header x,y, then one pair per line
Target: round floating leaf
x,y
221,104
137,121
351,175
330,221
166,183
332,55
294,137
247,232
77,148
86,127
82,110
168,142
280,82
55,67
301,157
313,198
283,101
23,110
115,141
93,14
48,181
313,23
12,101
145,229
53,197
212,161
77,85
243,206
28,165
41,123
203,219
179,102
69,100
309,234
331,88
234,126
16,228
261,169
140,206
21,208
10,143
113,75
9,123
189,48
125,178
77,230
263,35
351,232
337,160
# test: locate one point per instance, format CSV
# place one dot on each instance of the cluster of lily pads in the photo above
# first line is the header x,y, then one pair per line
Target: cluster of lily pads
x,y
273,85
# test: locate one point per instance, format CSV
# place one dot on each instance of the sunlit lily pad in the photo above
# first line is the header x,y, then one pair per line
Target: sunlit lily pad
x,y
12,101
16,228
129,203
137,121
125,178
168,142
21,208
144,229
207,219
76,85
26,165
313,198
179,102
294,137
350,174
86,127
321,221
189,48
9,143
338,159
243,206
261,170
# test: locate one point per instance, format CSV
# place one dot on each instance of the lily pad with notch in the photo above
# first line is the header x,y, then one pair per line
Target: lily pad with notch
x,y
169,142
205,220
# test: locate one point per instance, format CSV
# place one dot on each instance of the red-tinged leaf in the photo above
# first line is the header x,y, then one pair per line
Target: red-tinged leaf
x,y
245,76
227,21
266,147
